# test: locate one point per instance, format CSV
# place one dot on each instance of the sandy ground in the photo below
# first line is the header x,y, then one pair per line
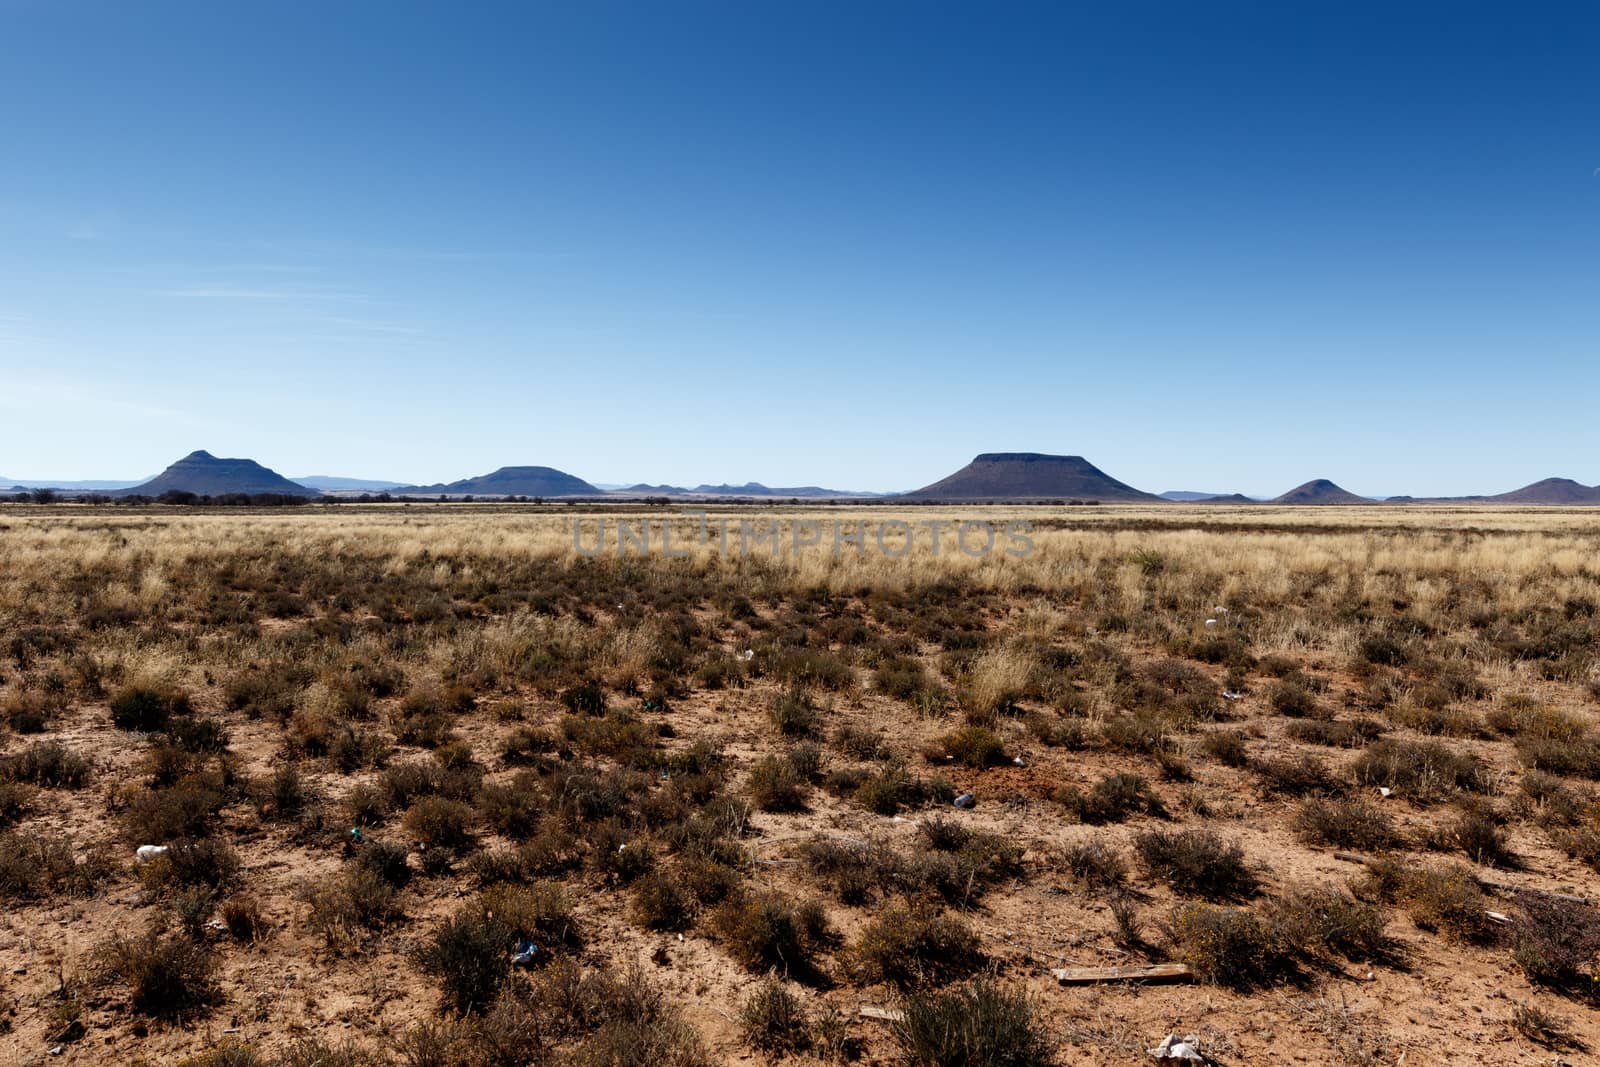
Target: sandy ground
x,y
1443,1004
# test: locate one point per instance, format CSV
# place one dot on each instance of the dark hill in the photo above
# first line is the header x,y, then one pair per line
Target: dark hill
x,y
1320,491
1030,476
1551,491
206,475
1226,498
512,481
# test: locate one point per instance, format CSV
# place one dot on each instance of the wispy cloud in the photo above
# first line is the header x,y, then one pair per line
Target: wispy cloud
x,y
240,292
32,393
367,326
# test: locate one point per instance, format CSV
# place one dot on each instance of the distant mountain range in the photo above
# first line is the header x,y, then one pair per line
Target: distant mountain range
x,y
71,486
328,483
1188,495
991,476
747,489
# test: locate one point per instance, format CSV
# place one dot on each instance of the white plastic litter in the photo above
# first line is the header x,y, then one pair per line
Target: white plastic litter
x,y
1385,791
1018,761
146,853
748,654
1211,622
1229,694
1174,1047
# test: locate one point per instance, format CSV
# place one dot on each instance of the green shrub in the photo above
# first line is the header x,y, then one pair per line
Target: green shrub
x,y
661,901
775,785
184,809
47,763
1479,835
1335,733
1542,1027
774,1020
349,908
794,715
206,862
893,788
813,667
469,955
972,746
768,931
1446,899
586,699
1292,699
1113,799
1323,920
540,913
1556,942
1227,747
861,742
1293,775
1422,771
911,944
512,809
981,1025
1227,946
440,823
1196,863
386,860
1096,864
147,708
1346,823
167,977
853,870
285,796
35,867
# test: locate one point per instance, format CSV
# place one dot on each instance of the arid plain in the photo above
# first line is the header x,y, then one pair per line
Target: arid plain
x,y
427,785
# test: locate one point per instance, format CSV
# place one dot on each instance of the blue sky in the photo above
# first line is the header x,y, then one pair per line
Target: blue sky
x,y
1209,246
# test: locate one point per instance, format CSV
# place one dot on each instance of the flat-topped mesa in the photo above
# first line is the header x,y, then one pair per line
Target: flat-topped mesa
x,y
203,474
1031,476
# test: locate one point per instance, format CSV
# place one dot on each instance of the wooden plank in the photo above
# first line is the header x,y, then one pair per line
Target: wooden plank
x,y
1159,972
888,1015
